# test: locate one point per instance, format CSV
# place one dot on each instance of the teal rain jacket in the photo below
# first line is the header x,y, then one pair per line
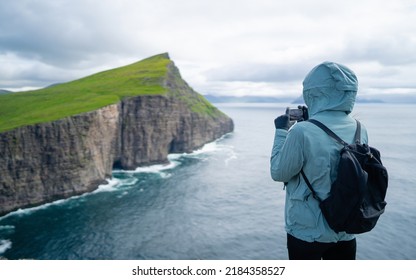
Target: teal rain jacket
x,y
329,91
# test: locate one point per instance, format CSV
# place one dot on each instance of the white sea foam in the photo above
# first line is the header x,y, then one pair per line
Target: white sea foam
x,y
207,148
22,212
231,156
212,147
174,160
109,187
5,245
113,184
217,146
157,168
6,228
165,175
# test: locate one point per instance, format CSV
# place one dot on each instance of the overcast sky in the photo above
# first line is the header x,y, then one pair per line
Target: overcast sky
x,y
228,47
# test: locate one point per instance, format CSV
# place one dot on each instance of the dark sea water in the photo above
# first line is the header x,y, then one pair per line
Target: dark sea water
x,y
216,203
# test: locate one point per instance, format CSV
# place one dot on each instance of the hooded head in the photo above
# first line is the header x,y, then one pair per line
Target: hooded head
x,y
330,87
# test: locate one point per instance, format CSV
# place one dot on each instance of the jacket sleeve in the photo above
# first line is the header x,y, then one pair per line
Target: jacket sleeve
x,y
287,154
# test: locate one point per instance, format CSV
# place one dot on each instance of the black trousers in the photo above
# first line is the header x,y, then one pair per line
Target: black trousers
x,y
302,250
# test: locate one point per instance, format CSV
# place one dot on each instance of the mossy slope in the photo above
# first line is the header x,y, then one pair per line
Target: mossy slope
x,y
150,76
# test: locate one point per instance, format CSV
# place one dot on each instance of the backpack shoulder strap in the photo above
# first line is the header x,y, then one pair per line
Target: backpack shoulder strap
x,y
357,135
357,138
310,186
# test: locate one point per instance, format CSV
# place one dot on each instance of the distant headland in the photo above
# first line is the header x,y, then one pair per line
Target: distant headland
x,y
386,98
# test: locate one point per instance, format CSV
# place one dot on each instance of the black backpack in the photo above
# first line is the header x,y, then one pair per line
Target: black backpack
x,y
356,199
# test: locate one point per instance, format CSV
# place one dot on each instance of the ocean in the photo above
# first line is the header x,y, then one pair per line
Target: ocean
x,y
217,203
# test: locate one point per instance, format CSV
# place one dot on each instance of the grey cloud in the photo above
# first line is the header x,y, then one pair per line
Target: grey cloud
x,y
53,41
388,51
59,32
251,72
30,74
56,40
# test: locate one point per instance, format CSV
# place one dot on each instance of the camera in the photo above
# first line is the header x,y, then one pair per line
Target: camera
x,y
298,114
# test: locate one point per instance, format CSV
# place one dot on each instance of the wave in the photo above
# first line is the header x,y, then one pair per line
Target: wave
x,y
6,228
174,160
114,184
210,148
218,147
110,186
157,168
5,245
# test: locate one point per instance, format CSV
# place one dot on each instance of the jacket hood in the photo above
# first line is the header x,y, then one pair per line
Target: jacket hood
x,y
330,87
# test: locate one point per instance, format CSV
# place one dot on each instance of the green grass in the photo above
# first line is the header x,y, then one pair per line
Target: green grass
x,y
195,101
87,94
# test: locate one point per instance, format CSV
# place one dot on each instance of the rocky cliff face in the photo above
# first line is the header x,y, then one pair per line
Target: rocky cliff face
x,y
151,127
49,161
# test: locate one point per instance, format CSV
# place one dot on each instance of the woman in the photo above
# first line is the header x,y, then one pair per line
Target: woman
x,y
329,91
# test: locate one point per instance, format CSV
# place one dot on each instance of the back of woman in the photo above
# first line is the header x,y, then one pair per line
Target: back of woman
x,y
329,92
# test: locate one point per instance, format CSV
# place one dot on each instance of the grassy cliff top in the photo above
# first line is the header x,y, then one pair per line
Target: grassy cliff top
x,y
87,94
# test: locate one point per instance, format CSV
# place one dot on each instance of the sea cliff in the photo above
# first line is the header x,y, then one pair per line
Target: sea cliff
x,y
57,159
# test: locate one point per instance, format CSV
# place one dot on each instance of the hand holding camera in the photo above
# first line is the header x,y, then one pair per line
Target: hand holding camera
x,y
291,117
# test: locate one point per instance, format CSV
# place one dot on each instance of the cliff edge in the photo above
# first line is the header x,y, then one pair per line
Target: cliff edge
x,y
77,132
